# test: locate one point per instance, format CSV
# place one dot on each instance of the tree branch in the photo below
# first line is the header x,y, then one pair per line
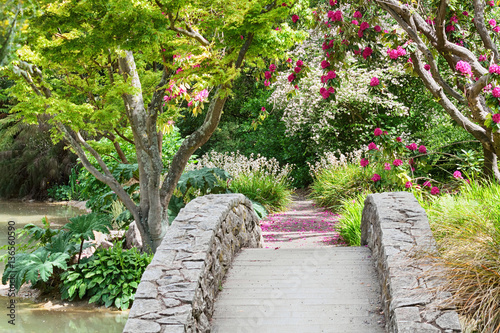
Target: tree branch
x,y
481,29
188,31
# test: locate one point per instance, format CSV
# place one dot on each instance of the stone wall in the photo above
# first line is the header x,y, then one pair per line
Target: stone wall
x,y
178,289
397,230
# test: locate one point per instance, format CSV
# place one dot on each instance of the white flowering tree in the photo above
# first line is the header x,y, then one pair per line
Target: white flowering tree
x,y
450,45
124,70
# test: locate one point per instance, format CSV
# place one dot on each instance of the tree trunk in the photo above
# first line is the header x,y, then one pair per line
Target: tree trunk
x,y
490,167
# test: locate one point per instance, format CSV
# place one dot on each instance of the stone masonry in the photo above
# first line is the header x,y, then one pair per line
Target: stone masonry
x,y
396,229
178,289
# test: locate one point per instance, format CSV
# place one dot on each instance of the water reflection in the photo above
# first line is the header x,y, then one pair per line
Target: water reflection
x,y
30,317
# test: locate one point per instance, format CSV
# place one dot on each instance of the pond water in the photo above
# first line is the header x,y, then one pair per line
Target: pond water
x,y
31,317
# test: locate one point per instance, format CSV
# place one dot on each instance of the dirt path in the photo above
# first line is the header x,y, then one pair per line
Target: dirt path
x,y
302,226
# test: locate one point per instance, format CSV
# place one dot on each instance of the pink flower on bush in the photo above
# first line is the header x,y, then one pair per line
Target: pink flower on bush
x,y
497,28
408,184
397,162
387,166
364,162
427,183
333,2
289,60
367,52
201,96
268,75
427,67
412,147
377,28
300,63
364,26
464,67
376,177
374,82
331,75
496,92
325,64
297,69
398,139
377,132
295,18
449,28
465,13
458,175
372,146
267,83
263,109
454,19
496,118
272,67
491,3
482,57
434,190
354,22
291,77
401,51
357,14
422,149
492,22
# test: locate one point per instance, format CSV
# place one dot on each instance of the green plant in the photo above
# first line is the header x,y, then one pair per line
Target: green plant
x,y
349,225
111,276
467,229
338,182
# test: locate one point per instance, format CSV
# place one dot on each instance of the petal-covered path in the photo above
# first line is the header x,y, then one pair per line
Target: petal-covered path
x,y
302,226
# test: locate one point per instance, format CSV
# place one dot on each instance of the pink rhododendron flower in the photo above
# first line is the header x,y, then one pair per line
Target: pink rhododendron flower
x,y
364,162
374,82
412,147
492,22
464,67
401,51
408,184
376,177
496,92
364,26
458,175
357,14
427,183
331,75
268,75
491,3
289,60
496,118
397,162
454,19
333,2
337,16
283,4
393,54
385,132
300,63
272,67
482,57
465,13
377,132
263,109
357,52
427,67
398,139
360,33
267,83
494,68
372,146
354,22
295,18
377,28
297,69
449,28
487,88
422,149
497,28
325,64
367,52
291,77
434,190
387,166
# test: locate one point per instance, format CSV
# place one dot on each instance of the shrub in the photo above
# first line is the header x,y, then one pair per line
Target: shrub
x,y
349,225
260,179
111,276
467,229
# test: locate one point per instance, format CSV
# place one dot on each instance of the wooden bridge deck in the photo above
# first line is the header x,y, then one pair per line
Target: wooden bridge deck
x,y
300,290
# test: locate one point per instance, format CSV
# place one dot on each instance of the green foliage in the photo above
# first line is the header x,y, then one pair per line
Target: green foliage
x,y
349,225
259,209
337,183
273,193
197,183
467,229
110,277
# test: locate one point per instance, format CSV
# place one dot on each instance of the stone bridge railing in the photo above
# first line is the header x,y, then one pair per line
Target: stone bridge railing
x,y
397,230
178,289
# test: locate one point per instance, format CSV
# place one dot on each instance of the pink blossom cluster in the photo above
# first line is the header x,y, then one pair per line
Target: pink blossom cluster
x,y
496,92
364,162
335,16
412,146
482,57
463,67
372,146
496,118
494,69
333,2
325,93
329,76
328,45
367,52
357,14
374,82
376,177
396,53
491,3
457,175
377,132
362,27
170,96
295,18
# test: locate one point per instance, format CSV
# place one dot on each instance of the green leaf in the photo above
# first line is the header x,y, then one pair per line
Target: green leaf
x,y
82,290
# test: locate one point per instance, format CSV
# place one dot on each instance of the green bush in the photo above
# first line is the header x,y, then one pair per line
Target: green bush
x,y
111,276
349,225
274,194
335,184
467,229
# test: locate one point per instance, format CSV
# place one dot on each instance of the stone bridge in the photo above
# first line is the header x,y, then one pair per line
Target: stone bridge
x,y
388,286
